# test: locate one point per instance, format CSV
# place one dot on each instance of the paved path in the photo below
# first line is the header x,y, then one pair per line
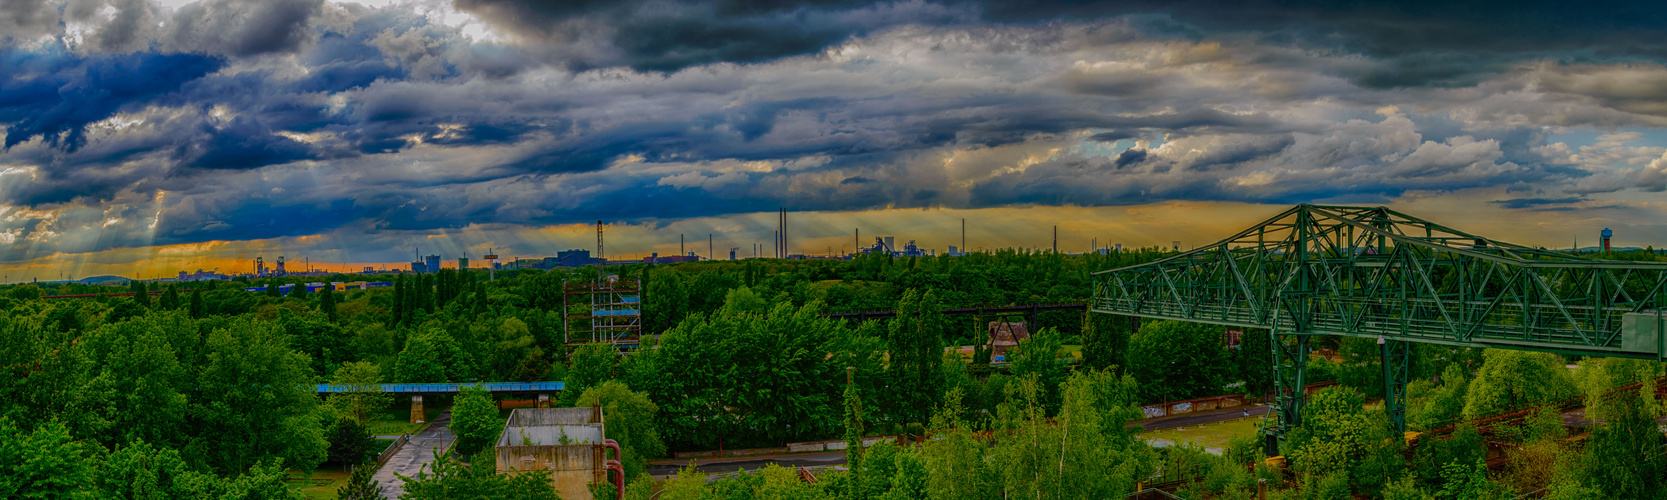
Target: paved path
x,y
416,453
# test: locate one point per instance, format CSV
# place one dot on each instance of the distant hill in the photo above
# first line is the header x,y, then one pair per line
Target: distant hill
x,y
102,280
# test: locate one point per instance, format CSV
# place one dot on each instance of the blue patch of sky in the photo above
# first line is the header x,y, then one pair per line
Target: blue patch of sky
x,y
1583,136
1090,148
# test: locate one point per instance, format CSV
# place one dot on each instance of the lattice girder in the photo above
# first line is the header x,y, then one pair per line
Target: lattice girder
x,y
1375,272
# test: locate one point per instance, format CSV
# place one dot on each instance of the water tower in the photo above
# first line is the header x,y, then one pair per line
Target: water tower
x,y
1604,237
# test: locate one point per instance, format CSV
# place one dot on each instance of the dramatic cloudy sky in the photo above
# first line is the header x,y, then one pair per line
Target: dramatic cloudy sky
x,y
141,138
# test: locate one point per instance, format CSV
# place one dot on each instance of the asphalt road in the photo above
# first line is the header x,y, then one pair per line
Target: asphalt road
x,y
1204,418
414,455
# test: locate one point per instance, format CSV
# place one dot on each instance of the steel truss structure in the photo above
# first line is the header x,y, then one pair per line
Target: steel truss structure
x,y
609,310
1376,272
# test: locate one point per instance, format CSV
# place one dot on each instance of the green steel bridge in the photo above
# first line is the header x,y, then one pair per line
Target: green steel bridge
x,y
1378,273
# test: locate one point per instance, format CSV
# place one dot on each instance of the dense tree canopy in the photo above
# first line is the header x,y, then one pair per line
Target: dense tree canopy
x,y
206,391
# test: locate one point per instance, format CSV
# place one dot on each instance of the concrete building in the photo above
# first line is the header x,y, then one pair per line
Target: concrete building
x,y
432,262
570,444
462,263
1004,336
201,275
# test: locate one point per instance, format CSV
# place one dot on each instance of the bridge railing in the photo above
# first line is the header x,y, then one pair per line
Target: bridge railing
x,y
450,387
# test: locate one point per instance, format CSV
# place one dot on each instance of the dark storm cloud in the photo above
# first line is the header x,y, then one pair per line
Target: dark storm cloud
x,y
1130,156
1535,203
241,120
241,144
1418,42
244,27
55,95
667,35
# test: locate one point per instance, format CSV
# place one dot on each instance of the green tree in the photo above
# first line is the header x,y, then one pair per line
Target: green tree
x,y
141,294
1336,432
853,424
474,417
44,464
1166,376
665,301
170,298
1510,379
399,299
141,471
350,442
1042,355
430,355
327,302
592,364
359,392
360,486
255,401
197,303
751,380
955,462
515,354
140,378
25,292
448,479
915,343
630,417
274,288
1430,405
1624,456
1105,341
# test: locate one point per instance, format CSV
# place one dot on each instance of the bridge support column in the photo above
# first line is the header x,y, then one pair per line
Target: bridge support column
x,y
1290,370
1396,370
417,415
543,400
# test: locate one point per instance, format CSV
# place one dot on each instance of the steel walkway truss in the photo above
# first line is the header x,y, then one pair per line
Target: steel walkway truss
x,y
1378,273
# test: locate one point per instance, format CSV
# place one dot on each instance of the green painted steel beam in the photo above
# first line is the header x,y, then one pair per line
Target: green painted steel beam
x,y
1375,272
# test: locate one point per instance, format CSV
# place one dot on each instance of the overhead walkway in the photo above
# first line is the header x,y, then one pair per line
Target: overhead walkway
x,y
1377,273
417,391
450,387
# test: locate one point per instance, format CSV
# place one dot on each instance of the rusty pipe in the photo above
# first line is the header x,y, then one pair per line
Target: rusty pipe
x,y
619,484
615,445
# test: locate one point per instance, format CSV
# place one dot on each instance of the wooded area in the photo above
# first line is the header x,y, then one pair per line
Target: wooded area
x,y
205,391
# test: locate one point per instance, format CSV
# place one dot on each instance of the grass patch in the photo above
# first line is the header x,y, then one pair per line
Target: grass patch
x,y
1211,435
396,419
321,484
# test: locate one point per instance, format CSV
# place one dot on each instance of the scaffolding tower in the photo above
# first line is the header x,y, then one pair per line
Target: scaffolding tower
x,y
609,310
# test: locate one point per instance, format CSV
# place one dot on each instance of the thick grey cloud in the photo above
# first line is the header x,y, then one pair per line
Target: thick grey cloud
x,y
231,120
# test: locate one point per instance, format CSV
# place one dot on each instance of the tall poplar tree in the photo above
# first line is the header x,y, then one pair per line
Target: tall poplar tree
x,y
141,294
197,303
399,299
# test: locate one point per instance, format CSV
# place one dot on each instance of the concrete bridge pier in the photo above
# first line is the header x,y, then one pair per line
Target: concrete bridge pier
x,y
417,415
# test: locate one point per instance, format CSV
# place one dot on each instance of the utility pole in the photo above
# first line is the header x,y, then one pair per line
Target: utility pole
x,y
963,235
709,254
1056,239
680,251
601,262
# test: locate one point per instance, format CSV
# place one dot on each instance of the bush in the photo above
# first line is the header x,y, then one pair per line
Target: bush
x,y
474,417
